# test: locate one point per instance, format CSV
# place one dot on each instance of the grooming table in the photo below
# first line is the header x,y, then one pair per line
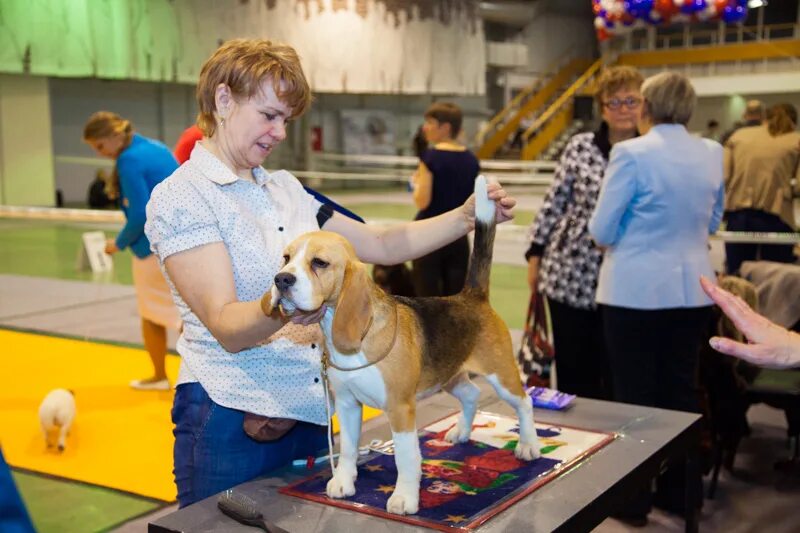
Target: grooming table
x,y
577,500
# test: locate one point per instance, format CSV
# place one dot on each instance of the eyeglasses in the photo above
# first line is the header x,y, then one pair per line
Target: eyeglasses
x,y
630,102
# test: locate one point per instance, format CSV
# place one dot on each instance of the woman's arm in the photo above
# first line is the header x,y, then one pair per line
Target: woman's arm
x,y
422,181
210,294
619,186
404,242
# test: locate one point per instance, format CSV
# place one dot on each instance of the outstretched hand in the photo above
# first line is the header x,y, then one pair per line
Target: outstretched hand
x,y
504,204
770,345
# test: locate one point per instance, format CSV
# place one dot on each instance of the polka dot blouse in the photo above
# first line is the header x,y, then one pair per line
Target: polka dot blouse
x,y
204,202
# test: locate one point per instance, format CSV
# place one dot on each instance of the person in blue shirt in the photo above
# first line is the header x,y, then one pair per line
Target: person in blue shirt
x,y
141,164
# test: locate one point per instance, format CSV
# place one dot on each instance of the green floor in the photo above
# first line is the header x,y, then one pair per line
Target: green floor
x,y
63,507
50,249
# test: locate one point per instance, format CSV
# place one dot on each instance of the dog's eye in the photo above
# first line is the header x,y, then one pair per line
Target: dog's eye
x,y
285,259
319,263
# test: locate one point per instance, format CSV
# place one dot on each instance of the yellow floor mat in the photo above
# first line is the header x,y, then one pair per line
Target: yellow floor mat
x,y
121,438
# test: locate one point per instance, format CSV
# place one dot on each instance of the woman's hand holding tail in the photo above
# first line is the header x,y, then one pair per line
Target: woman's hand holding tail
x,y
504,205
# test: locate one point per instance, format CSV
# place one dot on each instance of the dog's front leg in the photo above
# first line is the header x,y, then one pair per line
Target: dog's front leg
x,y
343,482
408,459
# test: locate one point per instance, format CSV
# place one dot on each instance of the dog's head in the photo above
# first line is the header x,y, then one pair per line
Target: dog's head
x,y
322,268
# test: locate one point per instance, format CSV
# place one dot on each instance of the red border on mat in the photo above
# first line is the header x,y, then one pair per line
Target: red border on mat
x,y
483,517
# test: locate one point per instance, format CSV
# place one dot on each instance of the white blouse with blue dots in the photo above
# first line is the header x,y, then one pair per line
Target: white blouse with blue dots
x,y
204,202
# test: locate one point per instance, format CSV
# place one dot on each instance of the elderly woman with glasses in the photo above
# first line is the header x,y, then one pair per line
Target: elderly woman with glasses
x,y
563,260
662,196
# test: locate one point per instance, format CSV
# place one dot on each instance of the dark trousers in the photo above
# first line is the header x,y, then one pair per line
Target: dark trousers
x,y
582,364
654,362
759,221
443,271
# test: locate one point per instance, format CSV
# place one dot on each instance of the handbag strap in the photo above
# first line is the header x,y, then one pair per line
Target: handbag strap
x,y
531,311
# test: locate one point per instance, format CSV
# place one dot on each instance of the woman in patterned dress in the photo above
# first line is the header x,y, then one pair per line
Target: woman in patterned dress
x,y
563,261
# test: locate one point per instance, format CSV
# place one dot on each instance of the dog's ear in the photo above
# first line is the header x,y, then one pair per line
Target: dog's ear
x,y
270,301
353,310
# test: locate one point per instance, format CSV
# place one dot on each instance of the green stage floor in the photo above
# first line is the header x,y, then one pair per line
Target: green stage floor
x,y
57,506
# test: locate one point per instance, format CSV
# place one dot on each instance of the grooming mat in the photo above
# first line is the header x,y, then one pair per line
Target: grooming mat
x,y
463,485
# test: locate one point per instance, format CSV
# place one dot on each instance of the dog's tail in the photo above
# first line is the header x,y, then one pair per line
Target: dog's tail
x,y
480,263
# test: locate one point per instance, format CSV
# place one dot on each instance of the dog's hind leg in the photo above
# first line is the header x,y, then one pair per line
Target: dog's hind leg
x,y
63,431
343,482
467,393
407,458
509,388
45,432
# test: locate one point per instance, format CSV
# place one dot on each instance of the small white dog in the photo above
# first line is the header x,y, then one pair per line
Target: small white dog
x,y
57,412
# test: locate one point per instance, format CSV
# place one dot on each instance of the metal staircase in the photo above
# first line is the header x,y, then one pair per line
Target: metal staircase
x,y
527,105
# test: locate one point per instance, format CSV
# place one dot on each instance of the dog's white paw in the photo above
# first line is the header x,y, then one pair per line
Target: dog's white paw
x,y
457,434
341,486
527,451
403,501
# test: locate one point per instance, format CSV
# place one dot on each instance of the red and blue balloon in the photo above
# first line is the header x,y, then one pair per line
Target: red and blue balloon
x,y
614,17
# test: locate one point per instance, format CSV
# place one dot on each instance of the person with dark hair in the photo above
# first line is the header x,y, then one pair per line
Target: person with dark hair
x,y
760,164
419,143
141,164
250,395
712,130
443,180
96,196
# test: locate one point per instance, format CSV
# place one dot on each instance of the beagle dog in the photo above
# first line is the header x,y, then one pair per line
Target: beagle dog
x,y
387,351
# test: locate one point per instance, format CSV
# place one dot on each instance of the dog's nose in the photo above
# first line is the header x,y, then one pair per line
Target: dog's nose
x,y
284,280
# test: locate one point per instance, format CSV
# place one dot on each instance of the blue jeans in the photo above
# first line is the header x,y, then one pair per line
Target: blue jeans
x,y
213,453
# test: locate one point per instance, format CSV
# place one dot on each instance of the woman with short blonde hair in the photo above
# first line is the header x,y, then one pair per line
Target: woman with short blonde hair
x,y
250,396
563,261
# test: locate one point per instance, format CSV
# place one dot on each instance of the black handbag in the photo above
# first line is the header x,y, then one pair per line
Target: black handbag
x,y
536,353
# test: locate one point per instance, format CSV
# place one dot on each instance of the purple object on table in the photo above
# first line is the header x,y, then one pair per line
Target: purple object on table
x,y
549,398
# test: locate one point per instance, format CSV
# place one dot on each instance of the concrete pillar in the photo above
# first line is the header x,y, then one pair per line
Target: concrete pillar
x,y
26,142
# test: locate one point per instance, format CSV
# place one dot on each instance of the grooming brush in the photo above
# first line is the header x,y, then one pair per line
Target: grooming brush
x,y
243,509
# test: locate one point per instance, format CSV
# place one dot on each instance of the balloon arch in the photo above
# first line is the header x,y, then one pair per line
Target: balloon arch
x,y
615,17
